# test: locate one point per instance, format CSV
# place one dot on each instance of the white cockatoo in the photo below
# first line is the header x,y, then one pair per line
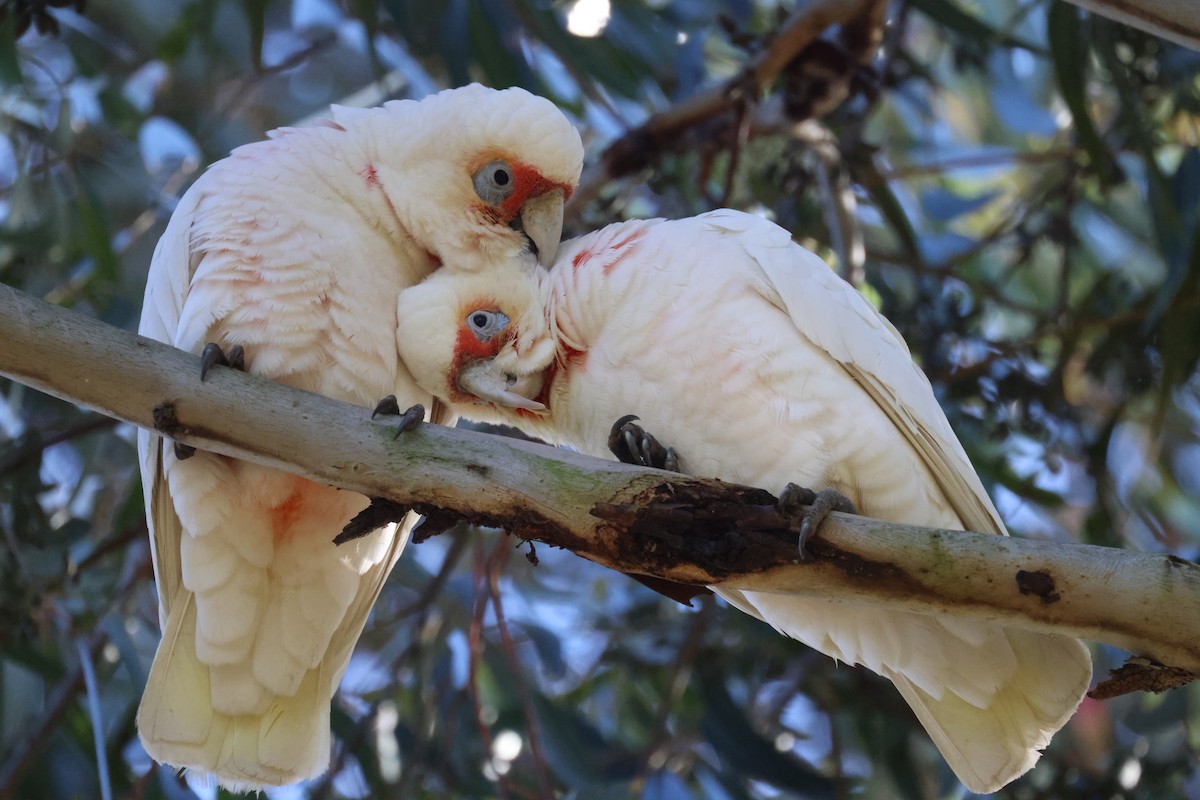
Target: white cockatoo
x,y
295,249
758,365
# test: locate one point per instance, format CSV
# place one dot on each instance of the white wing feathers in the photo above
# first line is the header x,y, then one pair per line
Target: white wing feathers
x,y
819,303
989,697
243,605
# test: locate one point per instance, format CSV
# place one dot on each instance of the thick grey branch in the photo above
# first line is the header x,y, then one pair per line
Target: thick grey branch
x,y
636,520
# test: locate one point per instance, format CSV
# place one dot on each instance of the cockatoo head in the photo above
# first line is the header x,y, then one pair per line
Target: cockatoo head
x,y
476,175
477,340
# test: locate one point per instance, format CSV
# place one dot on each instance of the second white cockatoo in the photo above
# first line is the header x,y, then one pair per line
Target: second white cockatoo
x,y
294,249
760,366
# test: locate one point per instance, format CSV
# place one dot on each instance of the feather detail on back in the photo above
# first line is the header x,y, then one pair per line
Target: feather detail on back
x,y
751,358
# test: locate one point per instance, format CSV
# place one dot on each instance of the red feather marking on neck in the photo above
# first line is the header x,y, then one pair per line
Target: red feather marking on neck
x,y
615,253
581,258
370,176
623,249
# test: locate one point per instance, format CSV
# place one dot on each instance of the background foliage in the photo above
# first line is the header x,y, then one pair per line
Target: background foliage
x,y
1016,184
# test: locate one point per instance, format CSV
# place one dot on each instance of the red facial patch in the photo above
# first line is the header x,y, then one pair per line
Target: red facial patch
x,y
467,347
527,183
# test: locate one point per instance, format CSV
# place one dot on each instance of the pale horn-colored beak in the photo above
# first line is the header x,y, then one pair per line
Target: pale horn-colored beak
x,y
542,221
485,380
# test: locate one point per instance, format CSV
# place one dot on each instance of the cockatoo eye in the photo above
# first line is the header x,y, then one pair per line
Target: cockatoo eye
x,y
494,182
486,324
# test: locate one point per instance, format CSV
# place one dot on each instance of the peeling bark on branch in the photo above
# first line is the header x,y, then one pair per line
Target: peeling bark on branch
x,y
636,520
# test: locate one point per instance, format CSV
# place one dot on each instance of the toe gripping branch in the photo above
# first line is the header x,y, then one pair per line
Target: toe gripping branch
x,y
631,444
382,511
212,355
819,503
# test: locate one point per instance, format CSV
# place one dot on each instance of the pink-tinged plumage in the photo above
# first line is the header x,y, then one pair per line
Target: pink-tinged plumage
x,y
296,248
760,366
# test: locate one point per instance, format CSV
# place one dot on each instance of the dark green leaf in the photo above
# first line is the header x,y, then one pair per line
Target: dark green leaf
x,y
195,21
969,27
256,21
739,745
577,752
549,649
889,206
1071,54
96,241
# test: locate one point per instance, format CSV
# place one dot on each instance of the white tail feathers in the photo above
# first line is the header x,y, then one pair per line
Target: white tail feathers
x,y
989,697
287,742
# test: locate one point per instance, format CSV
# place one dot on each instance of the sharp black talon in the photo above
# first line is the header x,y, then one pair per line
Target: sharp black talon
x,y
631,447
212,354
183,451
236,358
631,444
819,503
388,405
410,419
377,514
617,436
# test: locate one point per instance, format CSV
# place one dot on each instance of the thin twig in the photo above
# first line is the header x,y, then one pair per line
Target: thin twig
x,y
31,450
93,703
475,651
681,671
20,759
642,145
510,653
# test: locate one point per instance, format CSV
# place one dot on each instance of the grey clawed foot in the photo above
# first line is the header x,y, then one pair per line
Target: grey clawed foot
x,y
378,513
819,503
389,406
213,355
631,444
381,511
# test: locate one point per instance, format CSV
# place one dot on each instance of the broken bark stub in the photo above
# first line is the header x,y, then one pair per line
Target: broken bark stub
x,y
1141,675
722,528
1039,584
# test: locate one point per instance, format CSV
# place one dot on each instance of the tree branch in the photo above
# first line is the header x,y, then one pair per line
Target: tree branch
x,y
862,22
636,520
1170,19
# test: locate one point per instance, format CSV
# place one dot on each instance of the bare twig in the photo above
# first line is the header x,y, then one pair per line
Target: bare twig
x,y
639,147
475,653
25,454
510,654
64,694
